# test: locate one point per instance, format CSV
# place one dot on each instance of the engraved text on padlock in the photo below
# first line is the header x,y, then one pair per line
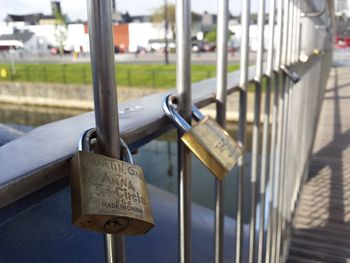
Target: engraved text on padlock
x,y
213,146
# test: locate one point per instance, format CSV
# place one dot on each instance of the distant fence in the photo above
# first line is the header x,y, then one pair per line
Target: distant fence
x,y
81,74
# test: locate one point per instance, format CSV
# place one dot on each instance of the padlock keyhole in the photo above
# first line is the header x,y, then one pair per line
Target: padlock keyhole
x,y
116,224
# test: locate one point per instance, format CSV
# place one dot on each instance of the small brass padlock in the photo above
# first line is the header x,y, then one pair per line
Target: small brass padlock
x,y
108,195
212,145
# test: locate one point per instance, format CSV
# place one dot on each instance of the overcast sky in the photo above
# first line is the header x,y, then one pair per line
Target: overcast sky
x,y
76,9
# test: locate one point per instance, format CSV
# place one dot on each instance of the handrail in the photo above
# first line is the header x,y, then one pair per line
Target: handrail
x,y
24,170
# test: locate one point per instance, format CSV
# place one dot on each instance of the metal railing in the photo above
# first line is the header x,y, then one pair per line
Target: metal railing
x,y
280,150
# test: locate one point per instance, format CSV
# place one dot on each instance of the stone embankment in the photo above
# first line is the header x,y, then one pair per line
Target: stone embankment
x,y
59,95
80,97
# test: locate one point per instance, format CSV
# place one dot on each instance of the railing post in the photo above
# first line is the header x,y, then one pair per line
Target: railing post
x,y
281,24
27,73
273,177
221,103
256,132
84,75
285,131
244,62
64,75
45,74
105,98
128,75
183,84
153,78
264,158
293,154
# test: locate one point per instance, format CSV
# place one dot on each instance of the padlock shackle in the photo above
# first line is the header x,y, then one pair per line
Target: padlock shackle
x,y
170,111
84,144
85,139
196,114
126,153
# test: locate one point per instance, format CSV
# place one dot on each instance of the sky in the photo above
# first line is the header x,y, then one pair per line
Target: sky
x,y
76,9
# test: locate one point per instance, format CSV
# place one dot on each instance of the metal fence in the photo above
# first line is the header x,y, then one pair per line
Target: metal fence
x,y
296,70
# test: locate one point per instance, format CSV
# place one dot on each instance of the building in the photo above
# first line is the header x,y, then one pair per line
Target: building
x,y
208,22
23,20
25,41
342,7
123,18
19,21
127,37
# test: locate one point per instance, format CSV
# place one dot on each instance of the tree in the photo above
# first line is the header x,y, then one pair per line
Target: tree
x,y
60,30
167,13
210,37
159,15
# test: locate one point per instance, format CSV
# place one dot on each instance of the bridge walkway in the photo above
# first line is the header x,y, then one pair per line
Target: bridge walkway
x,y
321,230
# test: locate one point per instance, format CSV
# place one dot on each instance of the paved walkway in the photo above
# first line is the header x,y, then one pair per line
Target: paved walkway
x,y
322,224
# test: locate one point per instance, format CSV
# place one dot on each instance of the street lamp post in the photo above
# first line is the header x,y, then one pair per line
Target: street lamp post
x,y
166,32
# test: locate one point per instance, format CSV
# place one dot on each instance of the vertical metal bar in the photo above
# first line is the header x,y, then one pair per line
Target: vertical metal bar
x,y
260,50
279,163
305,46
274,174
241,163
297,124
277,183
287,168
242,125
290,146
254,170
103,70
298,26
244,59
221,102
297,105
286,152
256,131
286,156
282,178
273,177
115,249
265,158
264,167
300,148
105,98
302,117
166,26
183,84
279,35
270,50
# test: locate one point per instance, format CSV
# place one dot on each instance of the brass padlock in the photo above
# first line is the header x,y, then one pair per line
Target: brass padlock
x,y
212,145
108,195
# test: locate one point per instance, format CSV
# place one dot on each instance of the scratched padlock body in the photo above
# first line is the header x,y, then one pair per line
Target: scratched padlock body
x,y
213,146
109,195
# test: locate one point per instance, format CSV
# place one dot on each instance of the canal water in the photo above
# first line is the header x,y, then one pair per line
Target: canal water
x,y
158,158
